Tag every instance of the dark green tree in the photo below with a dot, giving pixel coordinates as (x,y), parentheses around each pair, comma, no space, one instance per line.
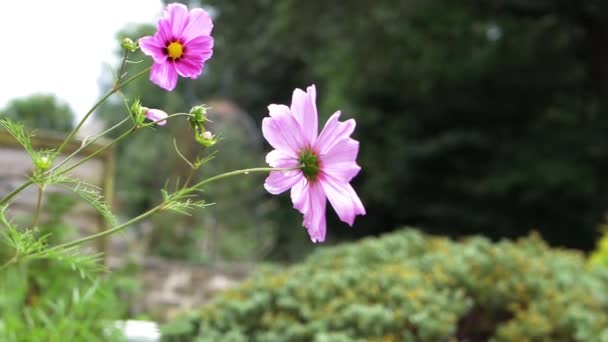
(474,116)
(40,111)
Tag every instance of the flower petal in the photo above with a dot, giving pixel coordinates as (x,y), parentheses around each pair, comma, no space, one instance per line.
(189,67)
(156,115)
(199,24)
(280,181)
(300,196)
(276,158)
(153,47)
(177,15)
(164,75)
(343,199)
(282,131)
(314,218)
(200,47)
(333,133)
(304,109)
(340,160)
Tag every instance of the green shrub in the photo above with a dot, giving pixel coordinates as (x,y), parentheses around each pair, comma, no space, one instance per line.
(408,286)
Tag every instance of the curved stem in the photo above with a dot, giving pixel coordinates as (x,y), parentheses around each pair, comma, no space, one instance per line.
(108,231)
(10,261)
(92,155)
(14,193)
(121,70)
(38,206)
(89,142)
(200,184)
(160,207)
(96,105)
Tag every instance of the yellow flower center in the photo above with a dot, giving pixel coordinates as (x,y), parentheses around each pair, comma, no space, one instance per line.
(175,50)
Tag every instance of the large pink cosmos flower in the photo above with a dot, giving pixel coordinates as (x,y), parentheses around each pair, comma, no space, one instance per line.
(327,161)
(181,45)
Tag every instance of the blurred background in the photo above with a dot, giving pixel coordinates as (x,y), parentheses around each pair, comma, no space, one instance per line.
(475,118)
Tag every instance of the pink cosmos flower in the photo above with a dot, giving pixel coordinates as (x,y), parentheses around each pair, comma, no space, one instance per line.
(155,115)
(327,161)
(181,45)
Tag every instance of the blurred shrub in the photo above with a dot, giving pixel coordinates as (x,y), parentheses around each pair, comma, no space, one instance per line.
(43,300)
(408,286)
(599,257)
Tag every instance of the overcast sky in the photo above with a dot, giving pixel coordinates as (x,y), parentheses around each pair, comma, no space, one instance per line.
(60,46)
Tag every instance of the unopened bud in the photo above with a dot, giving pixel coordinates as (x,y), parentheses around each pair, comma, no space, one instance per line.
(138,112)
(42,163)
(206,138)
(128,44)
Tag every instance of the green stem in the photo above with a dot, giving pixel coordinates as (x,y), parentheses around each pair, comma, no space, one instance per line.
(122,68)
(108,231)
(96,105)
(160,207)
(10,261)
(92,155)
(38,205)
(202,183)
(89,142)
(14,193)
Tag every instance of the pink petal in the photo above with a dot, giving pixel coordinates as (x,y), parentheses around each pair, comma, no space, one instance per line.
(304,109)
(333,133)
(300,196)
(282,130)
(199,24)
(339,161)
(152,46)
(189,67)
(177,16)
(164,75)
(314,219)
(164,31)
(280,181)
(343,172)
(276,158)
(343,199)
(155,115)
(201,47)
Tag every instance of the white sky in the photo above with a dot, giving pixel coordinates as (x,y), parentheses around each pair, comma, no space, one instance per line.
(60,46)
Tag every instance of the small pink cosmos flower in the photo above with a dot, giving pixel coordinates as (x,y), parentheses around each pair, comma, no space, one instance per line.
(156,115)
(327,161)
(181,45)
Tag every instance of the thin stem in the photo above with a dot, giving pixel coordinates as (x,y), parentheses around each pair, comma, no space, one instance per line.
(92,155)
(10,261)
(89,142)
(96,105)
(108,231)
(122,67)
(202,183)
(38,205)
(157,208)
(14,193)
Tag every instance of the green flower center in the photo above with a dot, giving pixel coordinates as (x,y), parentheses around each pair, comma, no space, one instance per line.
(175,50)
(310,164)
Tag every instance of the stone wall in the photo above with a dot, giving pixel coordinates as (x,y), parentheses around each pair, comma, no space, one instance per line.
(170,288)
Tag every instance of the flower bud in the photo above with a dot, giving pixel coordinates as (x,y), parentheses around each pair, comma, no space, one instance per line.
(205,138)
(128,44)
(42,162)
(198,115)
(138,112)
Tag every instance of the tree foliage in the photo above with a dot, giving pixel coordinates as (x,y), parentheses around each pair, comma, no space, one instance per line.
(473,116)
(40,111)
